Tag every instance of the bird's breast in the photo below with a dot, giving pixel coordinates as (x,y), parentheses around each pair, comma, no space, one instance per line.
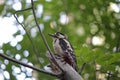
(57,48)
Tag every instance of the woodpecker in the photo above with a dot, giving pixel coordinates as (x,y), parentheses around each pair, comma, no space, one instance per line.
(63,48)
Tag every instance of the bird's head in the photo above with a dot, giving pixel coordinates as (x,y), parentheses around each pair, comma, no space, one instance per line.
(58,35)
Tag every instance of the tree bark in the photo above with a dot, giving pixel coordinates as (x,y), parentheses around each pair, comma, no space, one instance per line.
(68,72)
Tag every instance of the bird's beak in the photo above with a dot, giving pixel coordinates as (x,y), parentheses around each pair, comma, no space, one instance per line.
(52,35)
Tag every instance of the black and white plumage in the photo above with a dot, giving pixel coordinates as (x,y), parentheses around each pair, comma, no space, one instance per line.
(63,48)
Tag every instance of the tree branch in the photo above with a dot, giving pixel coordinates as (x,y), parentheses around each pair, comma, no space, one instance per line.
(82,67)
(33,46)
(69,72)
(22,10)
(43,38)
(31,67)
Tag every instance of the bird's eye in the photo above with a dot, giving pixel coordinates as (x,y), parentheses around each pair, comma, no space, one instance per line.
(57,34)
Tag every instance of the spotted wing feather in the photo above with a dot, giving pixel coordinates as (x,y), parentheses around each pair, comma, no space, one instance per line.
(69,56)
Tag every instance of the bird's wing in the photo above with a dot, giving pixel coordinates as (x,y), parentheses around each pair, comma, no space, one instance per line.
(68,52)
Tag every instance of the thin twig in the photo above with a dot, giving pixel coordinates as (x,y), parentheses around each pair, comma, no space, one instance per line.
(26,65)
(22,10)
(82,67)
(33,46)
(43,38)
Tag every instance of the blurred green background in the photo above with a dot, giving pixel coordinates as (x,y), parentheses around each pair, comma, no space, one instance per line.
(92,27)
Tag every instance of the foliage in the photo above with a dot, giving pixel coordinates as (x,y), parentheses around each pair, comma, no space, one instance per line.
(85,20)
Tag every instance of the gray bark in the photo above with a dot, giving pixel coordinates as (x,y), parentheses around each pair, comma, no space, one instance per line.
(68,71)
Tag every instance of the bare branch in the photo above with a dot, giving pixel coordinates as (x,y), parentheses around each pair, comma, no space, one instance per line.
(69,72)
(43,38)
(22,10)
(82,67)
(33,46)
(31,67)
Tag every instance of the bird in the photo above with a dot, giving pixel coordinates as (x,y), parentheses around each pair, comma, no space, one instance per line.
(63,48)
